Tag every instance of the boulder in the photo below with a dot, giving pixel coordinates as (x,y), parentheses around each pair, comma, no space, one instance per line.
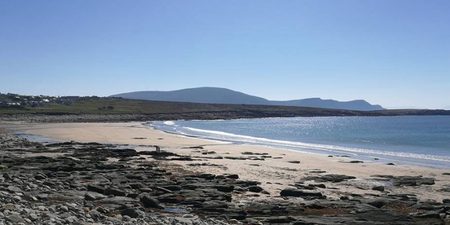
(150,202)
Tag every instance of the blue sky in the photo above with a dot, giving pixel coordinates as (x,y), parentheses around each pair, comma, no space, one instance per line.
(390,52)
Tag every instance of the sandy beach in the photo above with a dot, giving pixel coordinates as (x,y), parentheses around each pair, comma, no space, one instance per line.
(278,170)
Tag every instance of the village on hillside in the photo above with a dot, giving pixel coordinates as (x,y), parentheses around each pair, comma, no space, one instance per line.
(10,100)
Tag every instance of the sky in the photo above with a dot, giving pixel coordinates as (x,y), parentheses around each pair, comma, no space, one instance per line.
(390,52)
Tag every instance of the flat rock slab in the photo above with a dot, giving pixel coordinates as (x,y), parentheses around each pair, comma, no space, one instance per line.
(334,178)
(412,181)
(301,193)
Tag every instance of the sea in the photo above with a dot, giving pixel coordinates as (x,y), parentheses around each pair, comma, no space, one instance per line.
(409,140)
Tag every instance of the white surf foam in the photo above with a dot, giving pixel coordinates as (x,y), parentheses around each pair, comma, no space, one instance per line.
(321,147)
(169,123)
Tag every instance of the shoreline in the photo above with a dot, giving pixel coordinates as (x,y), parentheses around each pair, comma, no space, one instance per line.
(275,173)
(378,156)
(198,181)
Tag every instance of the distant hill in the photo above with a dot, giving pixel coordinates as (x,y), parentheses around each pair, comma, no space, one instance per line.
(360,105)
(215,95)
(197,95)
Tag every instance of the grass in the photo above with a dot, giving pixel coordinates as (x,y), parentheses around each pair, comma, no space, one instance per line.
(96,105)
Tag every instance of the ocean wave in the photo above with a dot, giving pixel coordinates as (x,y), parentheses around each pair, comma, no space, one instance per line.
(224,136)
(169,123)
(171,126)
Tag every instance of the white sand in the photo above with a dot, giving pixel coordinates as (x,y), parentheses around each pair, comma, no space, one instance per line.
(274,174)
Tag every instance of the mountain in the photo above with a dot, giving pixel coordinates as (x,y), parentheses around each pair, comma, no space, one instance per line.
(227,96)
(360,105)
(197,95)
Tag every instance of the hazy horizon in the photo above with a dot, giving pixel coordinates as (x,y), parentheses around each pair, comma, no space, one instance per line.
(391,53)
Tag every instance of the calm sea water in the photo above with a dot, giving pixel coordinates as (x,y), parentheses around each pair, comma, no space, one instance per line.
(417,140)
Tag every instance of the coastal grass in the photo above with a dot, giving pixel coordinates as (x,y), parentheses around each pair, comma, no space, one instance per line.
(116,106)
(127,106)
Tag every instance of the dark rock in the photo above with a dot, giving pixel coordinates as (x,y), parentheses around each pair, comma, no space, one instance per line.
(315,205)
(253,153)
(43,197)
(378,203)
(207,176)
(232,176)
(183,158)
(40,176)
(208,153)
(301,193)
(150,202)
(215,206)
(247,183)
(378,188)
(379,216)
(294,161)
(165,190)
(335,178)
(132,195)
(171,198)
(7,176)
(318,185)
(256,189)
(429,206)
(133,213)
(173,187)
(412,181)
(108,167)
(225,188)
(115,192)
(96,188)
(428,215)
(135,177)
(125,153)
(235,158)
(317,171)
(278,219)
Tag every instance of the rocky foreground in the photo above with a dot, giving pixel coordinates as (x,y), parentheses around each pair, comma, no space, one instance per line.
(92,183)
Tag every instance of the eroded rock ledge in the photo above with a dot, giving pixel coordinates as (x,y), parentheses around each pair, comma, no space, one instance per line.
(92,183)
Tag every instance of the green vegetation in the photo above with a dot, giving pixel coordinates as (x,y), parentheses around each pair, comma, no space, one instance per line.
(115,106)
(95,105)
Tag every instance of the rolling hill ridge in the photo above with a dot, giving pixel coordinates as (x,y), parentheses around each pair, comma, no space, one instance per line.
(214,95)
